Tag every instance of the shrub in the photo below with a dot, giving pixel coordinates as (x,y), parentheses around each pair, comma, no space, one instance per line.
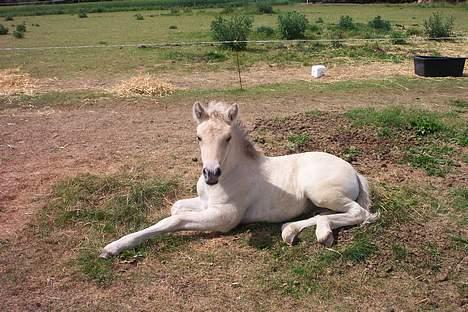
(264,8)
(82,14)
(379,23)
(237,28)
(21,27)
(438,26)
(139,17)
(8,18)
(173,27)
(3,30)
(227,10)
(292,25)
(413,32)
(265,31)
(18,34)
(319,20)
(346,22)
(398,37)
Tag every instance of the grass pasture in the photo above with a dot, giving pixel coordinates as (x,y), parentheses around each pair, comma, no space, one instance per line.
(81,165)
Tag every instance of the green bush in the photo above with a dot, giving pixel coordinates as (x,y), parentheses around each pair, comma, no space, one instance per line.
(237,28)
(346,22)
(264,8)
(18,34)
(265,31)
(139,17)
(292,25)
(380,24)
(82,14)
(398,37)
(21,27)
(227,10)
(414,32)
(3,30)
(438,26)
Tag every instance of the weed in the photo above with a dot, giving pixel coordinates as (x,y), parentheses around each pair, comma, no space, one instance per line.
(399,251)
(438,26)
(3,30)
(264,8)
(236,29)
(346,22)
(9,18)
(298,140)
(433,159)
(359,250)
(414,32)
(82,14)
(228,10)
(265,31)
(139,17)
(18,34)
(173,27)
(350,153)
(21,27)
(398,37)
(319,20)
(380,24)
(292,25)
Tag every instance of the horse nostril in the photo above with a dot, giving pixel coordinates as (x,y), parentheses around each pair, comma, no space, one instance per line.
(217,172)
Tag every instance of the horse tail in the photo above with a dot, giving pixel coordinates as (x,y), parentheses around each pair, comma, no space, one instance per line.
(364,199)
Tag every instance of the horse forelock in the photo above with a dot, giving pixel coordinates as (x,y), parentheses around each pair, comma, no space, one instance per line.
(216,110)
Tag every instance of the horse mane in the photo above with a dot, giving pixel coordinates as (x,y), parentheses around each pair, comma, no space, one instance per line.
(216,110)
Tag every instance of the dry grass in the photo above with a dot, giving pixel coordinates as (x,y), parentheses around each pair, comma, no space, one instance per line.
(146,85)
(14,82)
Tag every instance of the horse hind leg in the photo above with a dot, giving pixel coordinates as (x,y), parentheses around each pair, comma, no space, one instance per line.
(350,214)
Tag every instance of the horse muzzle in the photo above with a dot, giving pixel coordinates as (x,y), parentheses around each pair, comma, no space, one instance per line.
(211,175)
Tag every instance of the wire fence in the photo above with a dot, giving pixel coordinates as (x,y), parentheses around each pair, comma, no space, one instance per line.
(216,43)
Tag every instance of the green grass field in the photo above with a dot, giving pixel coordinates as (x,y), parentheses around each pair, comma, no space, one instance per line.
(120,28)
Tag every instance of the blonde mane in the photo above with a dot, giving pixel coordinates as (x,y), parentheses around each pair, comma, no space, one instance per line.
(216,110)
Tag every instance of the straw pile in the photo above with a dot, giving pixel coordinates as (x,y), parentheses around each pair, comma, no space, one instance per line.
(147,85)
(14,82)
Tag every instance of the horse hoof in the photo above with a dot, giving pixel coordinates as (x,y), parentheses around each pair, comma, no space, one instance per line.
(325,239)
(289,234)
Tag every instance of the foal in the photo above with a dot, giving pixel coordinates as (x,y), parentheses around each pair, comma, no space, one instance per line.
(239,185)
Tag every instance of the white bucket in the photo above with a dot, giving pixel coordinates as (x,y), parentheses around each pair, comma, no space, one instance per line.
(318,71)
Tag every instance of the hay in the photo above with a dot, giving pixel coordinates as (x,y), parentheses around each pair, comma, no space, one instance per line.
(146,85)
(14,82)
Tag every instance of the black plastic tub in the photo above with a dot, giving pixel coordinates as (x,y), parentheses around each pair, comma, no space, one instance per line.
(438,66)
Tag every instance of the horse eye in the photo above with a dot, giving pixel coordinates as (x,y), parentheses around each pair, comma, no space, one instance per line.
(228,139)
(198,138)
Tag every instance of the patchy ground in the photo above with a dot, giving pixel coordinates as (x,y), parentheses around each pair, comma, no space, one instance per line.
(415,258)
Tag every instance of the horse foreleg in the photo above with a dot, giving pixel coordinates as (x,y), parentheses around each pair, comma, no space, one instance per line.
(206,220)
(188,205)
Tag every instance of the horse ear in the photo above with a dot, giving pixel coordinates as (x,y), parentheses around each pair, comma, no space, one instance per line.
(232,112)
(199,113)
